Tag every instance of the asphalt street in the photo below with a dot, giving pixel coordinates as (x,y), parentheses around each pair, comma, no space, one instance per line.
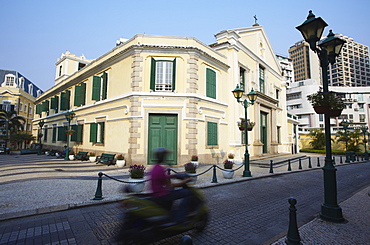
(250,212)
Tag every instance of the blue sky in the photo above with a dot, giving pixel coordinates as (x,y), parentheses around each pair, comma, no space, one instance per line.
(35,33)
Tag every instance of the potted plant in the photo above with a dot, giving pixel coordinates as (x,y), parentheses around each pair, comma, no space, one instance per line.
(137,181)
(228,171)
(191,169)
(92,157)
(71,155)
(120,161)
(230,157)
(323,102)
(194,160)
(250,125)
(241,124)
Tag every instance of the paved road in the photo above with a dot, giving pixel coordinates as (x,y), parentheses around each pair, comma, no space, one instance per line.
(251,212)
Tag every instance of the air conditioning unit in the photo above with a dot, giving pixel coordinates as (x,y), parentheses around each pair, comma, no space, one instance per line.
(349,99)
(356,109)
(354,100)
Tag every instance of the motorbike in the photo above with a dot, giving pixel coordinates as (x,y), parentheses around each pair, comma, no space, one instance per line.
(147,221)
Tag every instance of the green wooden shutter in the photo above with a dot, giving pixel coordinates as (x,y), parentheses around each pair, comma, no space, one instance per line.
(79,132)
(77,100)
(105,85)
(102,129)
(210,83)
(152,74)
(45,134)
(54,138)
(93,132)
(173,74)
(62,133)
(96,88)
(83,94)
(68,99)
(38,108)
(211,133)
(45,105)
(74,135)
(63,103)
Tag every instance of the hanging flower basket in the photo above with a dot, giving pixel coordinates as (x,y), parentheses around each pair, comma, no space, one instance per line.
(321,109)
(364,141)
(242,124)
(335,112)
(69,132)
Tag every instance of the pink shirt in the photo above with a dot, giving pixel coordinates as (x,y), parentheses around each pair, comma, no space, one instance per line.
(159,180)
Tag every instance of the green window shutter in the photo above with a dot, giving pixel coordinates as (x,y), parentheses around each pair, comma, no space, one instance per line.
(53,103)
(79,132)
(45,105)
(102,128)
(68,99)
(210,83)
(93,132)
(62,133)
(54,138)
(105,85)
(83,94)
(38,108)
(74,135)
(77,100)
(173,74)
(63,103)
(211,133)
(45,134)
(152,74)
(96,88)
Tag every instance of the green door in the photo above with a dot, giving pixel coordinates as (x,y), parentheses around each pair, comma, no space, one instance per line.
(163,133)
(264,131)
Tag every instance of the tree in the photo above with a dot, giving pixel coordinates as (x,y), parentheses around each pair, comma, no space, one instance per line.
(12,123)
(352,137)
(18,138)
(318,139)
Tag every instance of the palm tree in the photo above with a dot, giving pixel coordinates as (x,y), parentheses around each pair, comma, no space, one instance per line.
(12,123)
(352,138)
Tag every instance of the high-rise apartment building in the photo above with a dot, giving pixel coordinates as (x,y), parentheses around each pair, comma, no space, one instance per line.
(352,68)
(305,62)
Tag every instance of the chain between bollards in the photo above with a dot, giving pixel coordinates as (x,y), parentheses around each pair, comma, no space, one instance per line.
(293,237)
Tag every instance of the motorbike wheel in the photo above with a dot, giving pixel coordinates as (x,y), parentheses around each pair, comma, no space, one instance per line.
(202,222)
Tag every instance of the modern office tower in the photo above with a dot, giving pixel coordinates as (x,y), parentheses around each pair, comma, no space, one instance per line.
(352,67)
(305,62)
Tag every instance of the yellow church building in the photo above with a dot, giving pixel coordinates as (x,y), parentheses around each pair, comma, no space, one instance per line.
(175,92)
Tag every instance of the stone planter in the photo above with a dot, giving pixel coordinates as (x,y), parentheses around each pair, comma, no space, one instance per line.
(71,157)
(136,185)
(120,163)
(194,178)
(196,163)
(228,173)
(92,159)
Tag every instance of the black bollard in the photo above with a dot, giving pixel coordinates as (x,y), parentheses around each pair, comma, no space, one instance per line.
(300,164)
(168,171)
(186,240)
(289,167)
(271,168)
(341,160)
(98,193)
(293,237)
(214,178)
(333,160)
(318,161)
(358,158)
(309,162)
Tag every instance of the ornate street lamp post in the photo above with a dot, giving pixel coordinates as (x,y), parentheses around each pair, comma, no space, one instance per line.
(252,96)
(69,116)
(345,125)
(41,124)
(364,131)
(327,50)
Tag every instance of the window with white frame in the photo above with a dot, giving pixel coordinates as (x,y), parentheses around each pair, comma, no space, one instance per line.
(30,89)
(9,80)
(163,73)
(21,83)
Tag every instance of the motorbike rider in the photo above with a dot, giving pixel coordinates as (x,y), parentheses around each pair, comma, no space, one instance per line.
(165,192)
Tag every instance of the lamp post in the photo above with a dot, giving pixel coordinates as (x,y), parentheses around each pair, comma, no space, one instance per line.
(364,131)
(327,50)
(69,116)
(345,125)
(41,124)
(252,96)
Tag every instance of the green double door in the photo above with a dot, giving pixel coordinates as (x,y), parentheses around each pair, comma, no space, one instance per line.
(162,133)
(263,131)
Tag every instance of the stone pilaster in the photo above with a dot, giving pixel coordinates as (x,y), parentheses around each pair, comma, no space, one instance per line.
(136,75)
